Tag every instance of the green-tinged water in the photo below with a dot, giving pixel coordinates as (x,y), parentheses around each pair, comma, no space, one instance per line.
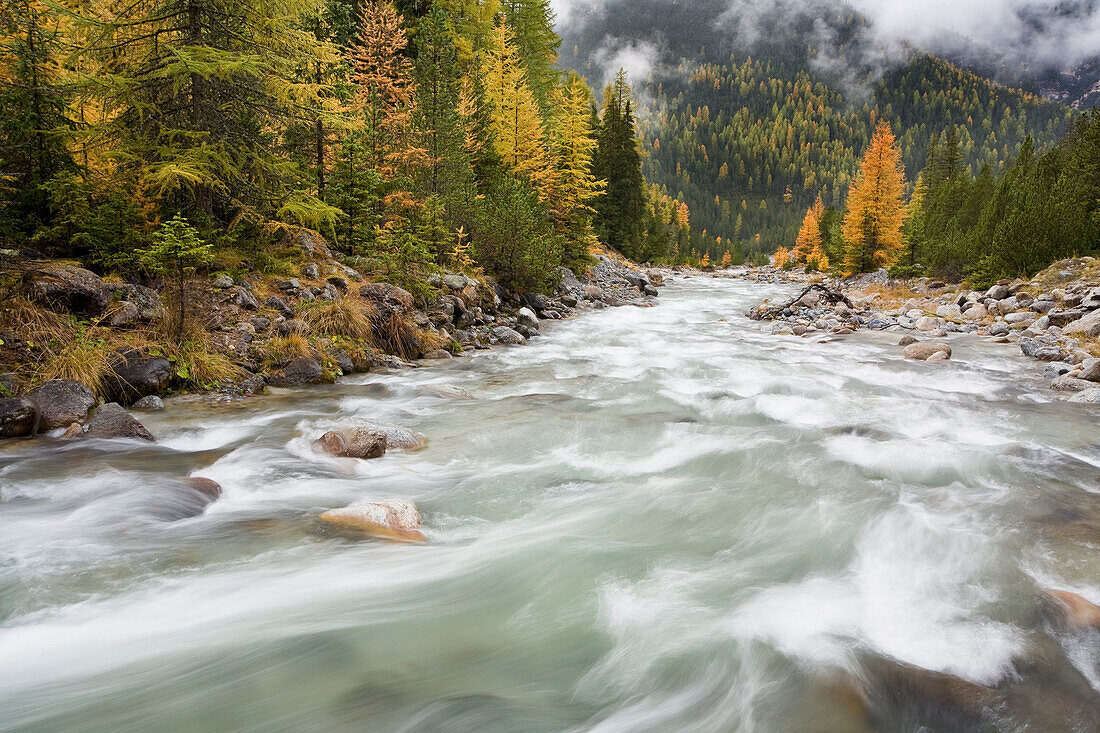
(649,520)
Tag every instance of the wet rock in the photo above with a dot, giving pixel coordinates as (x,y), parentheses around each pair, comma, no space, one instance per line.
(1072,611)
(395,519)
(508,336)
(397,437)
(938,356)
(62,402)
(297,372)
(204,486)
(74,289)
(342,360)
(925,350)
(1071,384)
(112,421)
(437,355)
(134,375)
(1057,369)
(388,295)
(907,341)
(359,443)
(152,403)
(18,417)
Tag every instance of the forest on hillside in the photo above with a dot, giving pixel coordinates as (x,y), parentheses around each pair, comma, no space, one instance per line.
(414,137)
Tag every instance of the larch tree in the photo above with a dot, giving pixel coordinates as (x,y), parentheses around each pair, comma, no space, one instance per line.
(876,206)
(517,126)
(532,26)
(577,188)
(809,236)
(192,97)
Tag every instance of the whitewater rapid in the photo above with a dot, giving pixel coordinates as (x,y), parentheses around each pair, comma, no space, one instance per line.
(650,519)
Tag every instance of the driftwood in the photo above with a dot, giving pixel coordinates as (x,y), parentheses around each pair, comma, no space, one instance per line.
(766,312)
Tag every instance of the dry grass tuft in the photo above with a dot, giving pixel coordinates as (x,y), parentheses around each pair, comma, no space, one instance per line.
(35,324)
(351,317)
(396,333)
(284,348)
(433,341)
(86,359)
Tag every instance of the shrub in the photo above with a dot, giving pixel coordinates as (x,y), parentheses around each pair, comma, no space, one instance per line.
(515,239)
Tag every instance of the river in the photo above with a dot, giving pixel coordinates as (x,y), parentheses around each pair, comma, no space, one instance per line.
(648,520)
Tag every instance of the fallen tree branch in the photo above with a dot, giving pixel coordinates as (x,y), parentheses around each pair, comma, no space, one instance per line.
(764,312)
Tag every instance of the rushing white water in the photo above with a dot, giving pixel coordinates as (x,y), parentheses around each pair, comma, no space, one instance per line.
(650,519)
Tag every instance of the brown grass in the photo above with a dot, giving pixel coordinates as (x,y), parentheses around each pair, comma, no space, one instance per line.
(433,341)
(86,359)
(35,324)
(395,333)
(351,317)
(889,295)
(284,348)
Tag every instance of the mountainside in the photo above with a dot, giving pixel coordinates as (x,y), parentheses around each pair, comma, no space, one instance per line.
(749,130)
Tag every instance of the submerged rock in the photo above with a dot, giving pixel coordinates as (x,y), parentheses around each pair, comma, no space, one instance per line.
(395,519)
(112,421)
(925,350)
(359,443)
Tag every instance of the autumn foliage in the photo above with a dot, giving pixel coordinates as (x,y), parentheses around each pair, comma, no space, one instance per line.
(876,206)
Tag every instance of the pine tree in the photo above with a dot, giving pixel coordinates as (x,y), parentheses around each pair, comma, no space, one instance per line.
(620,211)
(532,28)
(876,207)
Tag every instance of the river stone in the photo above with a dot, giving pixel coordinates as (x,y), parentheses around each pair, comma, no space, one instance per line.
(297,372)
(950,312)
(1088,325)
(593,292)
(927,323)
(998,292)
(18,417)
(976,312)
(151,403)
(74,289)
(1090,370)
(907,340)
(527,317)
(394,519)
(134,375)
(1071,384)
(1013,318)
(1087,396)
(437,355)
(397,437)
(63,402)
(508,336)
(925,350)
(1000,328)
(112,421)
(353,443)
(1071,610)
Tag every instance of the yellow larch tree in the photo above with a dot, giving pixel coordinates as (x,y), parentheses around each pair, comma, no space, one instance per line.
(809,236)
(876,206)
(782,257)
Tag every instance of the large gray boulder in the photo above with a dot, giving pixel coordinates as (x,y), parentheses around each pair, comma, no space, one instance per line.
(62,402)
(134,374)
(18,417)
(72,288)
(296,373)
(1088,325)
(508,336)
(112,421)
(925,350)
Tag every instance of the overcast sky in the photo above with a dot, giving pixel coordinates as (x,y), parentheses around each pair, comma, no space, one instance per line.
(1008,28)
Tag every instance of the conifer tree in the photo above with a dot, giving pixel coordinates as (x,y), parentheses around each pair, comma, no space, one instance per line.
(809,236)
(532,26)
(576,187)
(620,211)
(876,207)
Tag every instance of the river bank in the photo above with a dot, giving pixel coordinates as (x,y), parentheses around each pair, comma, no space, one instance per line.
(647,519)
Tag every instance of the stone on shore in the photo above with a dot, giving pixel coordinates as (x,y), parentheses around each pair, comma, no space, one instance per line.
(134,375)
(1071,384)
(395,519)
(359,443)
(1088,325)
(508,336)
(1087,396)
(61,402)
(925,350)
(297,372)
(75,289)
(18,416)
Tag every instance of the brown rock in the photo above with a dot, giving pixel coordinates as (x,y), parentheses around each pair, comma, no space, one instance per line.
(925,350)
(353,443)
(396,519)
(1072,610)
(907,340)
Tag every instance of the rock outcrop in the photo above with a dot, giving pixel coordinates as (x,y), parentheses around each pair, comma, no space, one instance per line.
(396,519)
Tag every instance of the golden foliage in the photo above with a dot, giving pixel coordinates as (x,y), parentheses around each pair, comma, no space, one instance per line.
(351,317)
(876,206)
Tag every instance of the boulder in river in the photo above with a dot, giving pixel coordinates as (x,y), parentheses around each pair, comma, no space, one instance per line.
(361,443)
(508,336)
(395,519)
(908,340)
(1070,384)
(151,403)
(925,350)
(112,421)
(1087,396)
(297,372)
(63,402)
(1071,610)
(397,437)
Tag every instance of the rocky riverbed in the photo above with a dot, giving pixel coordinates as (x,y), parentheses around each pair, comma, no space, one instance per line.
(1054,318)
